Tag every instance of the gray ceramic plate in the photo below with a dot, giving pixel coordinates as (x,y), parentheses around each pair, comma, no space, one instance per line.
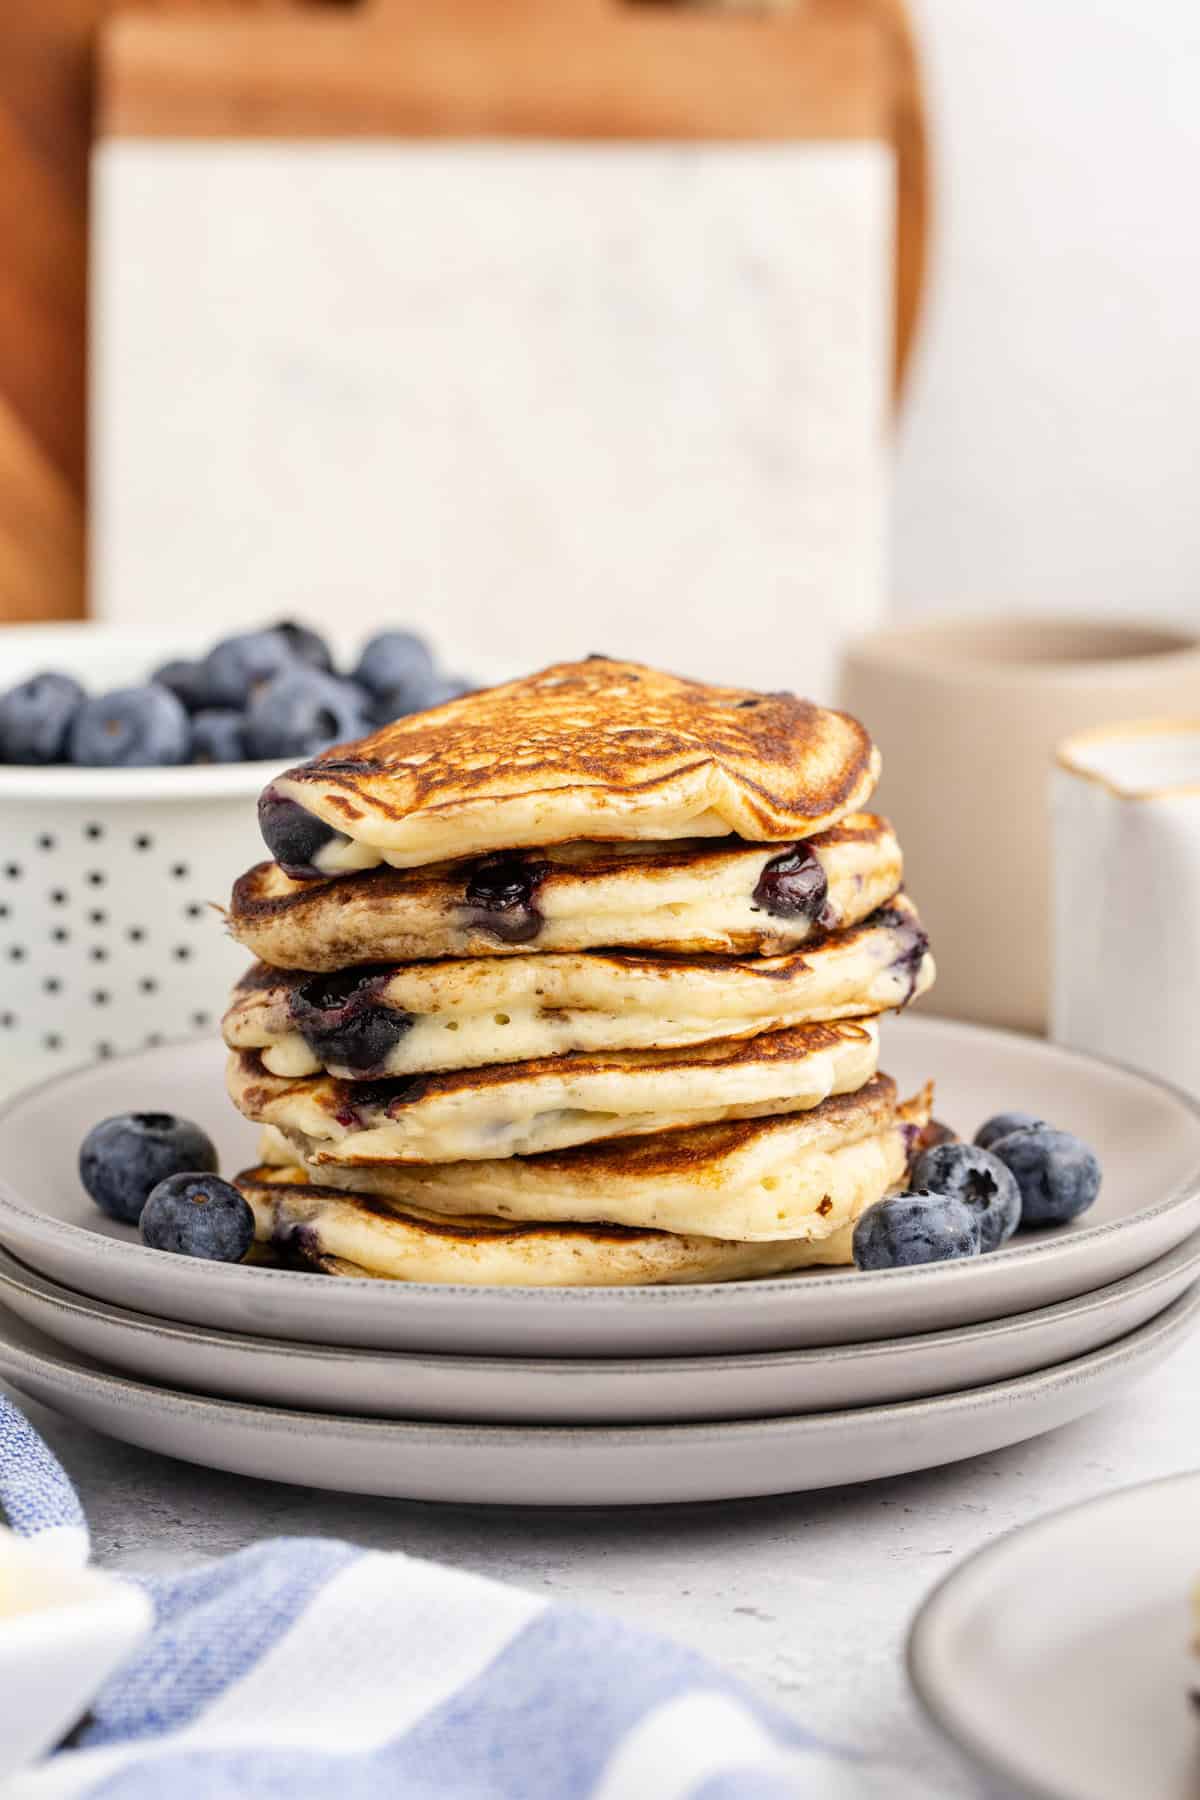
(1060,1656)
(588,1391)
(582,1465)
(1147,1136)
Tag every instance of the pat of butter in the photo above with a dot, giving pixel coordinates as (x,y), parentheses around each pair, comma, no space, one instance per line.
(28,1583)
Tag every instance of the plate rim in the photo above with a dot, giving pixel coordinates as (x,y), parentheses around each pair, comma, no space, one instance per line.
(1170,1325)
(41,1227)
(1162,1271)
(927,1621)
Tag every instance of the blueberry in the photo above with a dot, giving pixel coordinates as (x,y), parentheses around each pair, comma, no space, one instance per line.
(133,728)
(294,837)
(237,667)
(306,645)
(343,1024)
(399,702)
(1001,1124)
(982,1182)
(198,1215)
(188,681)
(122,1158)
(444,688)
(501,892)
(219,736)
(1058,1175)
(36,718)
(417,695)
(793,885)
(907,1229)
(366,1102)
(394,660)
(911,946)
(302,711)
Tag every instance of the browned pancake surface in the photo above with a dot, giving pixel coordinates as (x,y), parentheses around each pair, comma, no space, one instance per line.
(257,1087)
(780,765)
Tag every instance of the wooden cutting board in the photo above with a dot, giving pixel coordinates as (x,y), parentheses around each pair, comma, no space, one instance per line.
(47,67)
(284,67)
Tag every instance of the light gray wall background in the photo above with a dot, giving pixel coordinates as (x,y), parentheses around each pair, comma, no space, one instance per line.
(1049,456)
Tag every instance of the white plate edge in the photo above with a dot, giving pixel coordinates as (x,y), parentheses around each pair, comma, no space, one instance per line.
(926,1622)
(1164,1270)
(1163,1330)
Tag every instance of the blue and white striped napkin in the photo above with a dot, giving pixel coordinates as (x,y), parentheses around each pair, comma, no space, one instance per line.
(308,1668)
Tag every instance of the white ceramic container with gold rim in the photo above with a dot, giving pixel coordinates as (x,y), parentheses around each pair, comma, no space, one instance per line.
(1126,866)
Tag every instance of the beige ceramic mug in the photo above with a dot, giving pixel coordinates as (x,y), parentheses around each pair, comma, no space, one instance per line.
(967,714)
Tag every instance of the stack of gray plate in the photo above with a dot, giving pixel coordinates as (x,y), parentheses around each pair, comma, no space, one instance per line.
(599,1395)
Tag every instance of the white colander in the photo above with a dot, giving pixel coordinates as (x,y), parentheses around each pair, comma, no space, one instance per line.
(110,879)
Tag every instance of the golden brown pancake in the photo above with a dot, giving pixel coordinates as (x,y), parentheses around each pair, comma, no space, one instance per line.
(689,895)
(789,1189)
(524,1108)
(303,1224)
(469,1013)
(599,749)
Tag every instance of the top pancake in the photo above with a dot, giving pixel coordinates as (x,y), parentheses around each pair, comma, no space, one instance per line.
(599,749)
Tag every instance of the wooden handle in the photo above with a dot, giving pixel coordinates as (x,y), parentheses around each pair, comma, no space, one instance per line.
(416,12)
(44,119)
(484,68)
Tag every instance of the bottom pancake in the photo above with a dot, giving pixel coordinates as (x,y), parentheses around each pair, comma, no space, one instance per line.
(307,1226)
(788,1188)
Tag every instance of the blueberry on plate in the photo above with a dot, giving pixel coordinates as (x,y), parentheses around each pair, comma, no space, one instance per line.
(981,1181)
(301,712)
(1058,1174)
(907,1229)
(219,736)
(123,1158)
(394,660)
(306,645)
(198,1215)
(293,836)
(36,718)
(237,667)
(133,728)
(187,680)
(1001,1124)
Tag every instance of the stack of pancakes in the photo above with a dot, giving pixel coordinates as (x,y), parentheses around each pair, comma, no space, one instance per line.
(576,981)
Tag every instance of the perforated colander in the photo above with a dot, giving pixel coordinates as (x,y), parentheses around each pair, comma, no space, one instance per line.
(111,879)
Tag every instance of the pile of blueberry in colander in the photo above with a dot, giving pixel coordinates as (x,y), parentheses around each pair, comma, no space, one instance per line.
(258,696)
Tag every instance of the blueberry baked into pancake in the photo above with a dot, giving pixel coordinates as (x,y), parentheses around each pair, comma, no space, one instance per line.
(576,981)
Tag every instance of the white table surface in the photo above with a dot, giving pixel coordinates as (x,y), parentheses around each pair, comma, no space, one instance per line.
(807,1598)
